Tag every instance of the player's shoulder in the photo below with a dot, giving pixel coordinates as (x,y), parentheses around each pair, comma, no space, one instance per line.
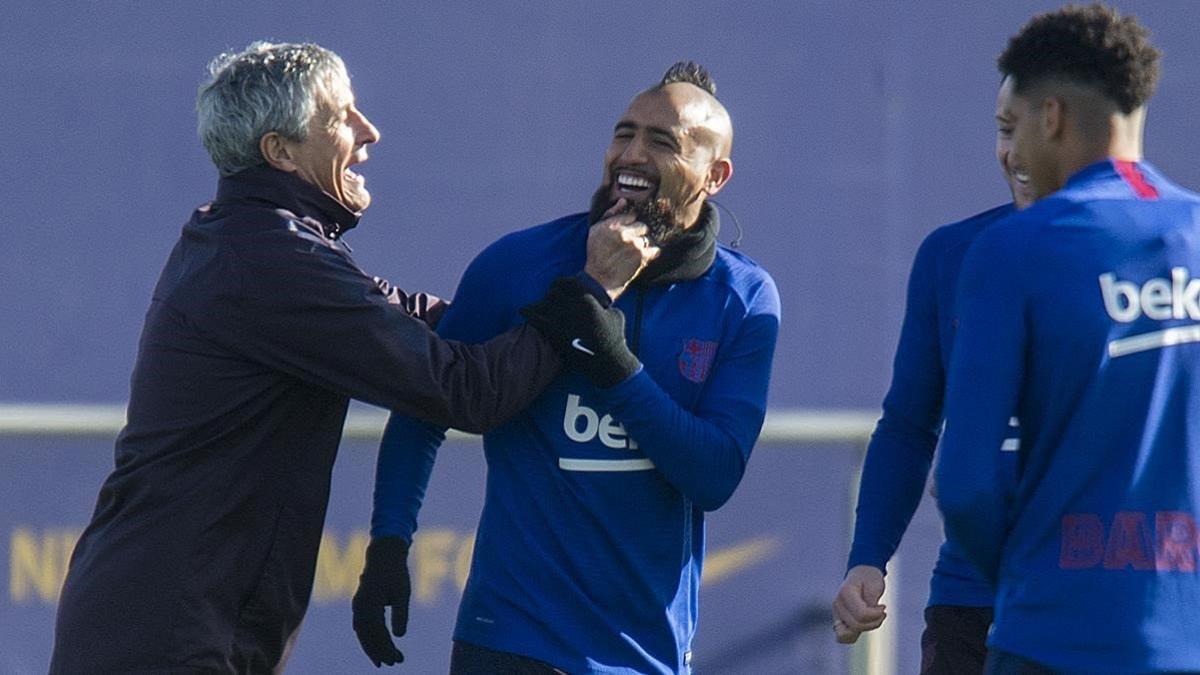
(738,269)
(557,241)
(1042,214)
(745,278)
(1025,239)
(1108,187)
(1168,189)
(962,232)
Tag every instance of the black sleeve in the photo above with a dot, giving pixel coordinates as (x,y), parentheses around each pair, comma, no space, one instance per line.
(306,309)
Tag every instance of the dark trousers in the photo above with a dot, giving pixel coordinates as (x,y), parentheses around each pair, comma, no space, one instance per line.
(955,640)
(471,659)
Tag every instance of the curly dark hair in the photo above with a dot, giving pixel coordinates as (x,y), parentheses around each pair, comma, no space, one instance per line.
(1093,46)
(692,73)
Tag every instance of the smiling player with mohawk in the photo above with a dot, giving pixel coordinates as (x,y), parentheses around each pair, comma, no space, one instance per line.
(589,549)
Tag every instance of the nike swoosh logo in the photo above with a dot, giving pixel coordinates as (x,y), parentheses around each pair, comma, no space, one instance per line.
(577,344)
(724,563)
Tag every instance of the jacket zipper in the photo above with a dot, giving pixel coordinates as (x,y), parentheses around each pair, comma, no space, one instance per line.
(637,322)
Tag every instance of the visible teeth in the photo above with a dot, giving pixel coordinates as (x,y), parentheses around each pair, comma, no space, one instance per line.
(1021,176)
(626,180)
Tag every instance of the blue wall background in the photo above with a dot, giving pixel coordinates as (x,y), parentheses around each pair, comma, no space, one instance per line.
(860,126)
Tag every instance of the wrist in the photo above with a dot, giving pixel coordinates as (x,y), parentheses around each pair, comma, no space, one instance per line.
(611,289)
(622,372)
(386,548)
(864,553)
(866,569)
(603,295)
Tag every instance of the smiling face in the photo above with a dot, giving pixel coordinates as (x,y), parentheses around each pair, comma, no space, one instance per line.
(671,144)
(1018,180)
(338,134)
(1038,148)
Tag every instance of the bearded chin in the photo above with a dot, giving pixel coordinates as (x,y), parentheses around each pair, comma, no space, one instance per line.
(658,215)
(600,204)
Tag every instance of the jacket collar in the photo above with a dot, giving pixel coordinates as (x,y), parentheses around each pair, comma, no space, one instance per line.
(687,256)
(287,191)
(1109,168)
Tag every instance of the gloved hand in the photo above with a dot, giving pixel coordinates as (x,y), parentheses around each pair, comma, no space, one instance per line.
(589,336)
(384,582)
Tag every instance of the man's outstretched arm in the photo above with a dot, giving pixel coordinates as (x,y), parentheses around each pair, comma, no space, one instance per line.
(899,455)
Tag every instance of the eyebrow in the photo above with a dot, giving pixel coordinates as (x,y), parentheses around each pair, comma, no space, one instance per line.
(623,124)
(657,131)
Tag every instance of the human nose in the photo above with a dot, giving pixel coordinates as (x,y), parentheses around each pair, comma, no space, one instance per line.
(634,151)
(1003,153)
(367,133)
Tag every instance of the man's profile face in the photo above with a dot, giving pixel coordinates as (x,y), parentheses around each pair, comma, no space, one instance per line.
(337,138)
(1017,180)
(1032,154)
(661,150)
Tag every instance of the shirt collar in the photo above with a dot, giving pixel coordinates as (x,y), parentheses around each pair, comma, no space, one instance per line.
(687,256)
(290,192)
(1105,168)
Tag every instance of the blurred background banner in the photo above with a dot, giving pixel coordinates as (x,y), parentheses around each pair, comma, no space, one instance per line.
(771,553)
(859,127)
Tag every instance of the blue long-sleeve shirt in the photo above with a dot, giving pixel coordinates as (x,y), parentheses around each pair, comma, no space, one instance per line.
(589,549)
(902,447)
(1082,313)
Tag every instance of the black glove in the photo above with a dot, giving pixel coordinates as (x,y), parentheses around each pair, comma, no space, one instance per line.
(589,336)
(384,582)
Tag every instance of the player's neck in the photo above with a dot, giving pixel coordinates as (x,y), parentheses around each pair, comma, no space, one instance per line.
(1120,139)
(1125,138)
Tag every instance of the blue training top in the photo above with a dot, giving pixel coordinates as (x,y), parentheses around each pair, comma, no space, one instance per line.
(901,449)
(1082,313)
(589,549)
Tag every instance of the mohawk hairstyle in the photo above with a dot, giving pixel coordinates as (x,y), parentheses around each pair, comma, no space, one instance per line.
(1093,46)
(692,73)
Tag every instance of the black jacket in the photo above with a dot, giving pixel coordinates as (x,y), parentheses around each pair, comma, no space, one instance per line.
(202,548)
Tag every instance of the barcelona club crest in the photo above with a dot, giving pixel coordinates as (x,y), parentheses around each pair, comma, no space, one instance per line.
(696,359)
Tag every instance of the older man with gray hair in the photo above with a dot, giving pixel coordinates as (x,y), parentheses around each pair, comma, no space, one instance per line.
(200,554)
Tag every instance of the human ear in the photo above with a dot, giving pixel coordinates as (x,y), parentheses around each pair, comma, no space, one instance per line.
(719,174)
(277,151)
(1053,117)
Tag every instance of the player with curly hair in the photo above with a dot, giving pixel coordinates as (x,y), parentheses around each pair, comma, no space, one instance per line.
(1081,315)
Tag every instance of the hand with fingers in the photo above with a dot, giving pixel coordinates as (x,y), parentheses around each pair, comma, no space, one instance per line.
(384,583)
(856,608)
(617,250)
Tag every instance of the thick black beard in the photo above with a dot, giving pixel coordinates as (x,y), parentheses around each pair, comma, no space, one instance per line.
(656,214)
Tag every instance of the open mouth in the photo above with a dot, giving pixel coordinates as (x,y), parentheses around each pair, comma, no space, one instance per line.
(349,174)
(631,185)
(1020,176)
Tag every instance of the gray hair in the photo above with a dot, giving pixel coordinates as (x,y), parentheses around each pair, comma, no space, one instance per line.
(266,87)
